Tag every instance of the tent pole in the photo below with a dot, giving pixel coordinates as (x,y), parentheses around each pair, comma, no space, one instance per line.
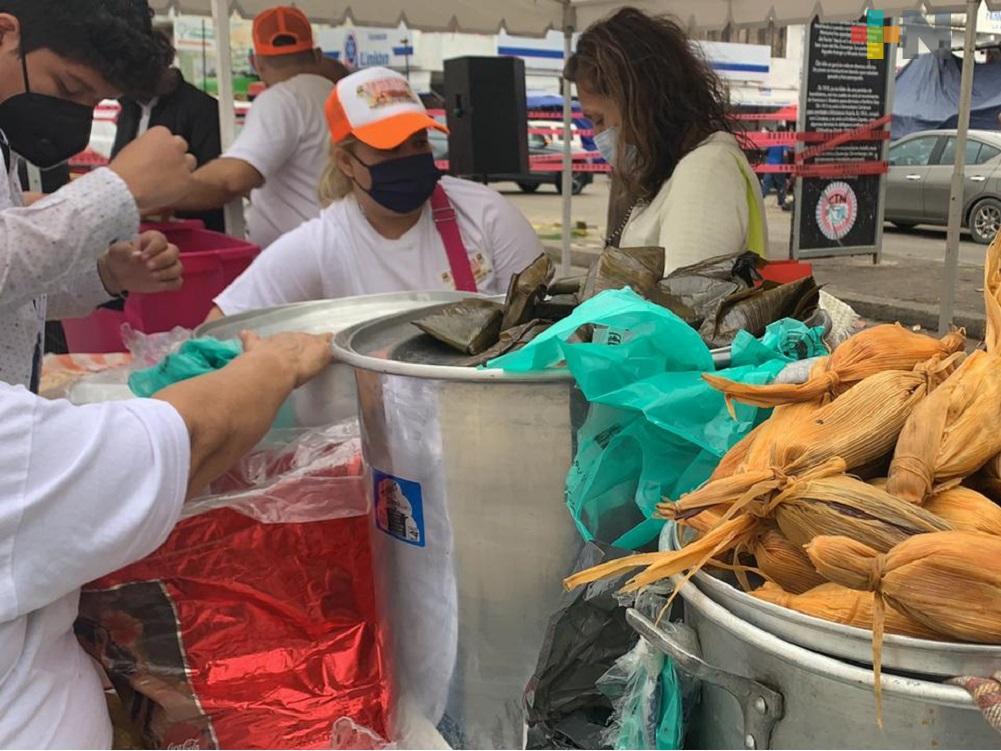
(565,262)
(227,110)
(958,171)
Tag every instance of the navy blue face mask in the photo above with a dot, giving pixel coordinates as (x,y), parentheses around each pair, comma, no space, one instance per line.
(404,184)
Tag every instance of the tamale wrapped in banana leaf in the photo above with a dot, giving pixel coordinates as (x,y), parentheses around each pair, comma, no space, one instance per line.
(785,564)
(702,287)
(949,582)
(569,285)
(617,268)
(753,309)
(886,347)
(838,604)
(556,308)
(469,326)
(510,340)
(526,288)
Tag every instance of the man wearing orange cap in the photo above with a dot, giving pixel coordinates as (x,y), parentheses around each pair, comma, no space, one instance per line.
(279,156)
(392,222)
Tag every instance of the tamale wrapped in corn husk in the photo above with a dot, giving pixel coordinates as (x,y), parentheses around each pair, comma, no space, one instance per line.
(754,450)
(886,347)
(949,582)
(839,604)
(966,509)
(785,564)
(957,430)
(952,433)
(963,508)
(859,427)
(821,502)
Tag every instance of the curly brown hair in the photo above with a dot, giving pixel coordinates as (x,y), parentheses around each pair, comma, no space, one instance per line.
(668,95)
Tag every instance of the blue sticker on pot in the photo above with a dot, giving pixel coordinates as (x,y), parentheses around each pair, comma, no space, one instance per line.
(399,508)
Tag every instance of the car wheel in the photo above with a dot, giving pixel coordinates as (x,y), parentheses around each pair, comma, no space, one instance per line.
(905,226)
(528,187)
(985,220)
(577,184)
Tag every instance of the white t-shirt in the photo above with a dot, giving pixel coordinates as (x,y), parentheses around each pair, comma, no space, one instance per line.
(340,254)
(286,139)
(83,492)
(701,211)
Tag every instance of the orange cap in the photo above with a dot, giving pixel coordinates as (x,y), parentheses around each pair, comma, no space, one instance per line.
(282,24)
(378,107)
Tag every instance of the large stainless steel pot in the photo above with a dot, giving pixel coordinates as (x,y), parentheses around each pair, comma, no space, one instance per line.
(471,534)
(760,691)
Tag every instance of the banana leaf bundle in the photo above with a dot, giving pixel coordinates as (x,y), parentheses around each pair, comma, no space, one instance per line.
(509,341)
(525,289)
(838,604)
(469,326)
(753,309)
(616,268)
(949,582)
(886,347)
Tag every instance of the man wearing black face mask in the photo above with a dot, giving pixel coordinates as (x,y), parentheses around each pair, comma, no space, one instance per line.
(79,247)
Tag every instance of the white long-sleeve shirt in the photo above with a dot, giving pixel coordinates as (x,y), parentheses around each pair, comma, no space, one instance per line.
(48,259)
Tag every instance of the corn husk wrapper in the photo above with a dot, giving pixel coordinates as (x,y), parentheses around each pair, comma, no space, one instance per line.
(949,582)
(952,433)
(822,502)
(839,604)
(881,348)
(784,564)
(958,430)
(963,508)
(859,427)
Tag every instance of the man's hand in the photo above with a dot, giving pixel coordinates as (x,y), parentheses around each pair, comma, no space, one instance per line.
(149,265)
(306,355)
(157,169)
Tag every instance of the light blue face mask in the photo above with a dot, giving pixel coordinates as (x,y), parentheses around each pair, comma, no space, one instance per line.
(608,146)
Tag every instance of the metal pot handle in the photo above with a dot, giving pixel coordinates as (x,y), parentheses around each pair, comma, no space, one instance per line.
(762,707)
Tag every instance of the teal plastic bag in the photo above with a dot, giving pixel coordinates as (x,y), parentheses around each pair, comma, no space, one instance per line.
(656,429)
(646,698)
(194,358)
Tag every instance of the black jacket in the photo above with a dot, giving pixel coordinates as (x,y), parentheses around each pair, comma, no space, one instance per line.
(187,112)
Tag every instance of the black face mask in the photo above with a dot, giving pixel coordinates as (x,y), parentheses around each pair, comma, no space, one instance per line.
(45,130)
(402,185)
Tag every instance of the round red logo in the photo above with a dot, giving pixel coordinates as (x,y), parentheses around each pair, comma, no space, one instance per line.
(837,210)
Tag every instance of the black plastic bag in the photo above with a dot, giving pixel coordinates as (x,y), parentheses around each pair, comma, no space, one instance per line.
(586,636)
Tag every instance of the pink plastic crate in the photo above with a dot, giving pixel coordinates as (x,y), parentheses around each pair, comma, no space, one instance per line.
(211,262)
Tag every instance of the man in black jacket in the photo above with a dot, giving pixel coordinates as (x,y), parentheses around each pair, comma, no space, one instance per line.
(185,111)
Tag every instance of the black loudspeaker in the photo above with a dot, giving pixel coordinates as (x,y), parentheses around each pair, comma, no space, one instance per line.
(487,116)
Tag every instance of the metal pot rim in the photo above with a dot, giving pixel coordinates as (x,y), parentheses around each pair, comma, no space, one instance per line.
(346,352)
(829,667)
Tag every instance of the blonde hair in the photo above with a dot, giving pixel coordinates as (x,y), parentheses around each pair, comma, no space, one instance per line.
(334,184)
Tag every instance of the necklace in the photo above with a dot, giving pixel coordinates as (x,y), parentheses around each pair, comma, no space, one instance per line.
(613,239)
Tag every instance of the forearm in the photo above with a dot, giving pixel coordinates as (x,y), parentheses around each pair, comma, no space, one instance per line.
(218,183)
(229,411)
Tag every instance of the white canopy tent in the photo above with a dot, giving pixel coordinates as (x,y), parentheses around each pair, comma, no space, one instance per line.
(536,17)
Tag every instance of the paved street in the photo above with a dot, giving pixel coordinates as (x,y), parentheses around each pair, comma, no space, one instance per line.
(906,286)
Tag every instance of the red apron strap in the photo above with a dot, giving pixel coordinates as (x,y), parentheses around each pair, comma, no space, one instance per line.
(448,228)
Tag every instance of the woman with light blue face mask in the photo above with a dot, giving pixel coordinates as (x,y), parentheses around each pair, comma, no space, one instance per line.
(680,179)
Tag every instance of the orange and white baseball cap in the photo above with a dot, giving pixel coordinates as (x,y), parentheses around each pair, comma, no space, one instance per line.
(378,107)
(282,31)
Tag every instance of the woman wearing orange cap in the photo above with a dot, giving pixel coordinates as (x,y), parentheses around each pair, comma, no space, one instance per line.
(392,222)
